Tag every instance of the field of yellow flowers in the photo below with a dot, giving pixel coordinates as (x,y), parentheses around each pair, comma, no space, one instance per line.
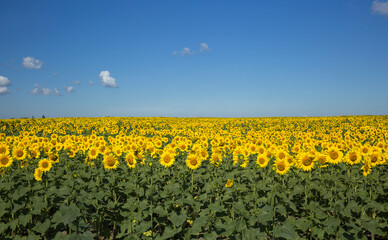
(194,178)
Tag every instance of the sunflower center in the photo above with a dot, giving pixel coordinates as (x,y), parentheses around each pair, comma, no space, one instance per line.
(333,155)
(307,161)
(93,152)
(261,161)
(45,165)
(322,160)
(2,149)
(167,159)
(130,160)
(282,155)
(4,160)
(365,150)
(353,157)
(281,167)
(110,161)
(19,153)
(373,158)
(261,151)
(193,162)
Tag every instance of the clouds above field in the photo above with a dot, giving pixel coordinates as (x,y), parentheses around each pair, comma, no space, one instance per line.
(185,52)
(204,47)
(107,80)
(44,91)
(69,89)
(4,82)
(380,7)
(32,63)
(76,82)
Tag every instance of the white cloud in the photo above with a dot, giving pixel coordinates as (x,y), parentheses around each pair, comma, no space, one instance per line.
(3,90)
(204,47)
(4,81)
(44,91)
(57,92)
(69,89)
(379,7)
(54,74)
(32,63)
(107,80)
(76,82)
(185,52)
(91,83)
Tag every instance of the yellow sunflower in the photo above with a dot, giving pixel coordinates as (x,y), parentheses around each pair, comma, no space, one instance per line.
(305,161)
(366,168)
(375,158)
(4,149)
(229,183)
(38,174)
(5,161)
(281,166)
(110,161)
(166,159)
(93,153)
(130,159)
(53,157)
(353,157)
(19,153)
(334,155)
(193,161)
(262,161)
(45,165)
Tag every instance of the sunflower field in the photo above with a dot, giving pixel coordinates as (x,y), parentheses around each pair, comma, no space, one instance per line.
(194,178)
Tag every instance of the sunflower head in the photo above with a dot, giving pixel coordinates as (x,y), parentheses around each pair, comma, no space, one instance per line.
(229,183)
(167,159)
(5,161)
(45,165)
(193,161)
(306,161)
(281,166)
(262,161)
(110,161)
(130,159)
(38,174)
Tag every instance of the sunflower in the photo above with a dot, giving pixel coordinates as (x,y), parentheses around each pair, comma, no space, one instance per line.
(281,154)
(93,153)
(19,153)
(53,157)
(261,150)
(4,149)
(229,183)
(353,157)
(193,161)
(167,159)
(110,161)
(38,174)
(305,161)
(334,155)
(321,159)
(365,149)
(45,165)
(34,153)
(366,168)
(262,161)
(24,163)
(203,154)
(216,158)
(374,158)
(5,161)
(130,159)
(281,166)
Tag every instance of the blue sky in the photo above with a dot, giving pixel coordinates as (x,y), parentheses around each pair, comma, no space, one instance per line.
(193,58)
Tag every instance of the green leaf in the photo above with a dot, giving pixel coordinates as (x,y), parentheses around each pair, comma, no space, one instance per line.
(13,224)
(69,213)
(42,227)
(178,220)
(160,211)
(24,219)
(3,227)
(281,209)
(253,234)
(210,236)
(170,233)
(286,231)
(370,226)
(60,236)
(84,236)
